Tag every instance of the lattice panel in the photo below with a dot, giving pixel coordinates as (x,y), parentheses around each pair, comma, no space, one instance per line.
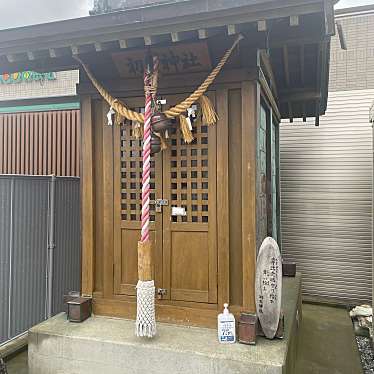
(131,176)
(190,175)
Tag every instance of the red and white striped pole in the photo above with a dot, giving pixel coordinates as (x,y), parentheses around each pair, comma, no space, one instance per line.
(145,289)
(146,159)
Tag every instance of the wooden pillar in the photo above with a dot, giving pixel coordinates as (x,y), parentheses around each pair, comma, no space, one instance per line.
(108,203)
(250,105)
(223,224)
(87,193)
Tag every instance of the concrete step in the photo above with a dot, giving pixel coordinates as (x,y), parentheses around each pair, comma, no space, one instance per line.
(107,345)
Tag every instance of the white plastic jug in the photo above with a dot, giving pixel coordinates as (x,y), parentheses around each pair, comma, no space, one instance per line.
(226,326)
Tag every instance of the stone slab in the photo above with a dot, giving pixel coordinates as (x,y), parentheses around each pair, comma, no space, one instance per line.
(13,346)
(108,345)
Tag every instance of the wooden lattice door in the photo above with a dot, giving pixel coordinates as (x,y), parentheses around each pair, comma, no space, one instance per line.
(189,241)
(127,202)
(185,246)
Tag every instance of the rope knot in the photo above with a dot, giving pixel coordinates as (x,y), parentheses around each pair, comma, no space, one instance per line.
(150,90)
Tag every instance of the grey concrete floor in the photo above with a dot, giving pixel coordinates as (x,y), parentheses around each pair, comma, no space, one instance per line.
(18,364)
(327,344)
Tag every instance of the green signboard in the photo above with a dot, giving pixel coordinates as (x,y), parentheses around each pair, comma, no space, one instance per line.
(27,76)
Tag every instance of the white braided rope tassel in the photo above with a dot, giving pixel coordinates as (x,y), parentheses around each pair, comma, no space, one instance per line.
(145,316)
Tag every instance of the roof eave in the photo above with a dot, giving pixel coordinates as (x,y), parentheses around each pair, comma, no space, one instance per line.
(147,21)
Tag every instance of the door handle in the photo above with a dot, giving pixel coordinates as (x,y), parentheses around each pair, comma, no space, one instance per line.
(159,203)
(161,293)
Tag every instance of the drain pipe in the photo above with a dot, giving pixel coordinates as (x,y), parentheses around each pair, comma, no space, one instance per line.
(11,238)
(51,243)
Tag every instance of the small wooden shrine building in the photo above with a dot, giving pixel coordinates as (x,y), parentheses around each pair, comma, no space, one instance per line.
(226,181)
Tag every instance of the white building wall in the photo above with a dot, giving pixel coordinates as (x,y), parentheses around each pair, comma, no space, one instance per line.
(63,85)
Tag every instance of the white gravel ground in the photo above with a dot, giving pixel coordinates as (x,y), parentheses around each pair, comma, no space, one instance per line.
(367,354)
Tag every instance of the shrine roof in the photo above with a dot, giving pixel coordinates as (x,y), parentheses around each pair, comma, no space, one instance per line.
(53,45)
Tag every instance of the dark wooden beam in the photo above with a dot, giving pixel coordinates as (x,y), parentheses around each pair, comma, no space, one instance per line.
(299,95)
(269,94)
(302,64)
(328,9)
(39,65)
(304,111)
(37,55)
(290,113)
(295,41)
(286,65)
(265,60)
(191,80)
(318,104)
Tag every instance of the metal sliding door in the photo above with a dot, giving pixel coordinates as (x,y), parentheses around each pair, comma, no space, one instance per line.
(326,194)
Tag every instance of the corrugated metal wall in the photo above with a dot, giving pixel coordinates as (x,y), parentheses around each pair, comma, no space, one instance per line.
(28,253)
(326,190)
(25,214)
(5,219)
(67,260)
(40,143)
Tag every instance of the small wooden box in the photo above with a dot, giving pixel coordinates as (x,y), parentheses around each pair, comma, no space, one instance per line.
(72,295)
(79,309)
(289,269)
(247,328)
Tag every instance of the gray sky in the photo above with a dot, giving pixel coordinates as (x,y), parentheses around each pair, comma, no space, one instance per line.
(351,3)
(15,13)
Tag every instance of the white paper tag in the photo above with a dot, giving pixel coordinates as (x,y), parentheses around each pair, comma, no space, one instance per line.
(189,123)
(178,211)
(110,116)
(191,112)
(161,102)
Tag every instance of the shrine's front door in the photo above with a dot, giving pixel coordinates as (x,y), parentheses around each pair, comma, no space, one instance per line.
(184,239)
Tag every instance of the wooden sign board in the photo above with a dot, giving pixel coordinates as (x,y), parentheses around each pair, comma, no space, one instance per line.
(174,59)
(269,287)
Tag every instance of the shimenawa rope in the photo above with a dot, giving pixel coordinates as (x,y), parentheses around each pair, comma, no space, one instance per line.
(176,111)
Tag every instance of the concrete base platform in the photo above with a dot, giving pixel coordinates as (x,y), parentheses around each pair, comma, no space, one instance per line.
(328,342)
(104,345)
